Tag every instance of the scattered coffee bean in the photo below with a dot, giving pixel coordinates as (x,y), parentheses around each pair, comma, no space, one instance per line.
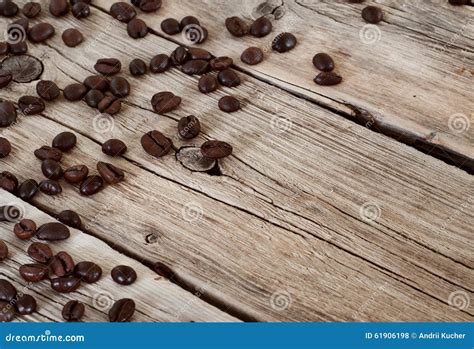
(196,67)
(156,144)
(47,152)
(216,149)
(110,105)
(47,90)
(7,290)
(122,12)
(53,232)
(34,272)
(236,26)
(284,42)
(179,56)
(261,27)
(160,63)
(4,48)
(8,8)
(31,9)
(137,67)
(72,37)
(137,28)
(73,311)
(5,147)
(31,105)
(7,312)
(41,32)
(110,173)
(93,98)
(27,190)
(164,102)
(124,275)
(252,56)
(372,14)
(62,264)
(58,8)
(199,53)
(108,66)
(323,62)
(460,2)
(207,83)
(97,82)
(5,78)
(229,104)
(81,10)
(114,147)
(25,305)
(73,2)
(189,20)
(228,78)
(122,310)
(91,185)
(75,92)
(40,252)
(22,22)
(70,218)
(88,272)
(8,181)
(50,187)
(25,229)
(221,63)
(76,174)
(189,127)
(18,49)
(7,113)
(65,141)
(327,79)
(170,26)
(65,284)
(51,169)
(147,5)
(119,86)
(3,250)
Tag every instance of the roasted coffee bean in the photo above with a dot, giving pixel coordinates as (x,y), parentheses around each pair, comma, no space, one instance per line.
(160,63)
(147,5)
(81,10)
(459,2)
(93,98)
(124,275)
(5,78)
(156,144)
(40,252)
(122,12)
(7,113)
(8,181)
(207,83)
(5,147)
(228,78)
(41,32)
(75,92)
(65,141)
(137,28)
(221,63)
(7,312)
(25,229)
(97,82)
(189,127)
(50,187)
(122,310)
(327,79)
(62,264)
(65,284)
(110,173)
(47,152)
(261,27)
(170,26)
(47,90)
(52,232)
(114,147)
(252,56)
(323,62)
(18,49)
(229,104)
(196,67)
(73,2)
(3,250)
(372,14)
(108,66)
(119,86)
(31,105)
(110,105)
(4,48)
(27,190)
(22,22)
(51,169)
(179,56)
(7,290)
(189,20)
(70,218)
(72,37)
(137,67)
(236,26)
(199,53)
(8,8)
(76,174)
(73,311)
(58,8)
(34,272)
(25,305)
(216,149)
(284,42)
(31,9)
(88,272)
(164,102)
(91,185)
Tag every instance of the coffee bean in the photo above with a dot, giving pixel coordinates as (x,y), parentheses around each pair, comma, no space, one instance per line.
(88,272)
(110,173)
(137,67)
(179,56)
(31,105)
(50,187)
(47,90)
(51,169)
(170,26)
(27,190)
(58,8)
(7,312)
(137,28)
(236,26)
(76,174)
(459,2)
(8,8)
(114,147)
(8,181)
(93,98)
(73,2)
(261,27)
(62,264)
(216,149)
(199,53)
(124,275)
(119,86)
(189,20)
(196,67)
(34,272)
(73,311)
(53,232)
(97,82)
(3,250)
(25,305)
(122,310)
(189,127)
(147,5)
(70,218)
(47,152)
(31,9)
(221,63)
(65,141)
(91,185)
(72,37)
(327,79)
(41,32)
(228,78)
(108,66)
(122,12)
(164,102)
(40,252)
(156,144)
(5,78)
(207,83)
(284,42)
(18,49)
(81,10)
(252,56)
(372,14)
(4,48)
(65,284)
(22,22)
(25,229)
(5,147)
(323,62)
(229,104)
(75,92)
(7,290)
(160,63)
(110,105)
(7,113)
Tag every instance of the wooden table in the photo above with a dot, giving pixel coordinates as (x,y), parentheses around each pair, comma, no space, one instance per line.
(344,203)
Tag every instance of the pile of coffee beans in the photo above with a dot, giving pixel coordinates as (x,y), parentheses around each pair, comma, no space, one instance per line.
(124,12)
(192,29)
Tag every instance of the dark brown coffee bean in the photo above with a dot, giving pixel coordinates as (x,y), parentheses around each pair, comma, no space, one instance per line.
(25,305)
(93,98)
(236,26)
(31,9)
(97,82)
(189,127)
(122,310)
(25,229)
(7,113)
(31,105)
(91,185)
(199,53)
(5,147)
(228,78)
(51,169)
(7,312)
(460,2)
(47,152)
(137,67)
(261,27)
(18,49)
(88,272)
(81,10)
(179,56)
(47,90)
(50,187)
(189,20)
(65,284)
(216,149)
(252,56)
(108,66)
(27,190)
(65,141)
(73,311)
(8,181)
(34,272)
(3,250)
(53,231)
(122,12)
(156,144)
(7,290)
(372,14)
(164,102)
(170,26)
(284,42)
(58,8)
(124,275)
(40,252)
(196,67)
(114,147)
(327,79)
(160,63)
(207,83)
(76,174)
(73,2)
(22,22)
(72,37)
(137,28)
(221,63)
(70,218)
(110,173)
(323,62)
(229,104)
(110,105)
(147,5)
(75,92)
(62,264)
(8,8)
(4,49)
(119,86)
(41,32)
(5,78)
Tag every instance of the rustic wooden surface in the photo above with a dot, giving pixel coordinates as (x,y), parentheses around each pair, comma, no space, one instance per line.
(280,234)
